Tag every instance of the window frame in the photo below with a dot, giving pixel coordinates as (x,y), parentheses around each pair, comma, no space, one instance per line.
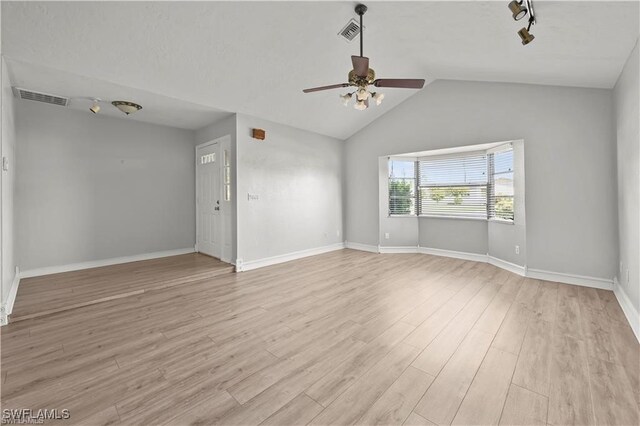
(489,186)
(415,186)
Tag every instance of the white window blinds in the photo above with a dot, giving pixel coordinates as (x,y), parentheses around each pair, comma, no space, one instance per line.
(402,187)
(454,185)
(501,184)
(466,185)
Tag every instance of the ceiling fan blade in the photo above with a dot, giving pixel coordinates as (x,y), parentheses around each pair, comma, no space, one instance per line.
(333,86)
(360,65)
(404,83)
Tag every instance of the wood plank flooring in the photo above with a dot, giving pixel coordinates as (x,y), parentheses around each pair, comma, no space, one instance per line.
(44,295)
(346,337)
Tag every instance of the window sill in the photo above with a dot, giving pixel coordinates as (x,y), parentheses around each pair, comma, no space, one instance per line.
(502,221)
(402,216)
(481,219)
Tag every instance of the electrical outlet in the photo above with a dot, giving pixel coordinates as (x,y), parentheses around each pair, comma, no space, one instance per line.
(517,249)
(337,232)
(386,235)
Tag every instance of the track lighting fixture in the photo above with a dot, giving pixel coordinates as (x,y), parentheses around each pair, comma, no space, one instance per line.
(96,106)
(520,10)
(517,9)
(126,106)
(525,35)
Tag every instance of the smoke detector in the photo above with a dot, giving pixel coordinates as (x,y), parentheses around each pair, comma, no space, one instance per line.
(47,98)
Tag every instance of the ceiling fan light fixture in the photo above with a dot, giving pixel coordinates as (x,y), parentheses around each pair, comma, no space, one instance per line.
(378,97)
(345,99)
(362,94)
(126,106)
(360,105)
(517,9)
(95,108)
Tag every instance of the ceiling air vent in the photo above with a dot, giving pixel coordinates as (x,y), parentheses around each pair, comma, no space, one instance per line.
(350,31)
(40,97)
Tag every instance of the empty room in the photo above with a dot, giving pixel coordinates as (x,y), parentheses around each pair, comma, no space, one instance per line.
(320,213)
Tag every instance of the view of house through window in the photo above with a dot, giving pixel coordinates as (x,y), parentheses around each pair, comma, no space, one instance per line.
(467,185)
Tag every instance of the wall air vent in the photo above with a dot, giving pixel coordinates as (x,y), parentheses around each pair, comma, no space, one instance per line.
(350,31)
(40,97)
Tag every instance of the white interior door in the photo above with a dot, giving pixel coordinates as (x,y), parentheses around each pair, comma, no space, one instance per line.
(208,219)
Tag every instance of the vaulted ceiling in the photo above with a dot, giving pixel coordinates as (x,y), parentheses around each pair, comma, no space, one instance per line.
(256,57)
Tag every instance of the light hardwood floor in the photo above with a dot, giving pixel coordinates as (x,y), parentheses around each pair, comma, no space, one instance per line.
(44,295)
(347,337)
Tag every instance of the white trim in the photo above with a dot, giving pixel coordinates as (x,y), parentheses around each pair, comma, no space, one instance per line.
(7,308)
(476,257)
(361,247)
(242,266)
(511,267)
(406,249)
(633,317)
(104,262)
(560,277)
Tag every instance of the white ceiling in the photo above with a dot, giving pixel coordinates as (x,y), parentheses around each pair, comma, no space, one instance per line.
(256,57)
(156,108)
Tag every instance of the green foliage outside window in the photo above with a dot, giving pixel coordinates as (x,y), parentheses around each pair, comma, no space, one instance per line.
(400,195)
(440,193)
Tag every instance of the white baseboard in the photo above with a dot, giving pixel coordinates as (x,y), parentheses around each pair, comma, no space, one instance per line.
(104,262)
(560,277)
(242,266)
(633,316)
(511,267)
(408,249)
(361,247)
(476,257)
(7,308)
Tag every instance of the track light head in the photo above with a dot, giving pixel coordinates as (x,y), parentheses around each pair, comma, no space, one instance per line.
(96,106)
(517,9)
(526,36)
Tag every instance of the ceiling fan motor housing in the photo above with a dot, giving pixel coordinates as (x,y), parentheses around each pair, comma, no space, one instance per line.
(356,80)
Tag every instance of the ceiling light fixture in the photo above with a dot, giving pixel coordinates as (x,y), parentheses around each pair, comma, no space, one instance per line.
(378,97)
(361,105)
(96,106)
(517,9)
(361,77)
(126,106)
(525,35)
(346,98)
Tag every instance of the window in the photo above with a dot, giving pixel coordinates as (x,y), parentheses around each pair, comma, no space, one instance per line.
(466,185)
(501,190)
(402,187)
(208,158)
(227,176)
(454,186)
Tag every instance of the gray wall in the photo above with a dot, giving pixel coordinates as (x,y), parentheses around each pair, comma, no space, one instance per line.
(92,187)
(297,176)
(568,133)
(628,140)
(7,187)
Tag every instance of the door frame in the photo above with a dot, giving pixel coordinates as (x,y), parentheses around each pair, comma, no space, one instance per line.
(222,241)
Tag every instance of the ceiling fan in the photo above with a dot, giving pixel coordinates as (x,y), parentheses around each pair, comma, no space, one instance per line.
(361,77)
